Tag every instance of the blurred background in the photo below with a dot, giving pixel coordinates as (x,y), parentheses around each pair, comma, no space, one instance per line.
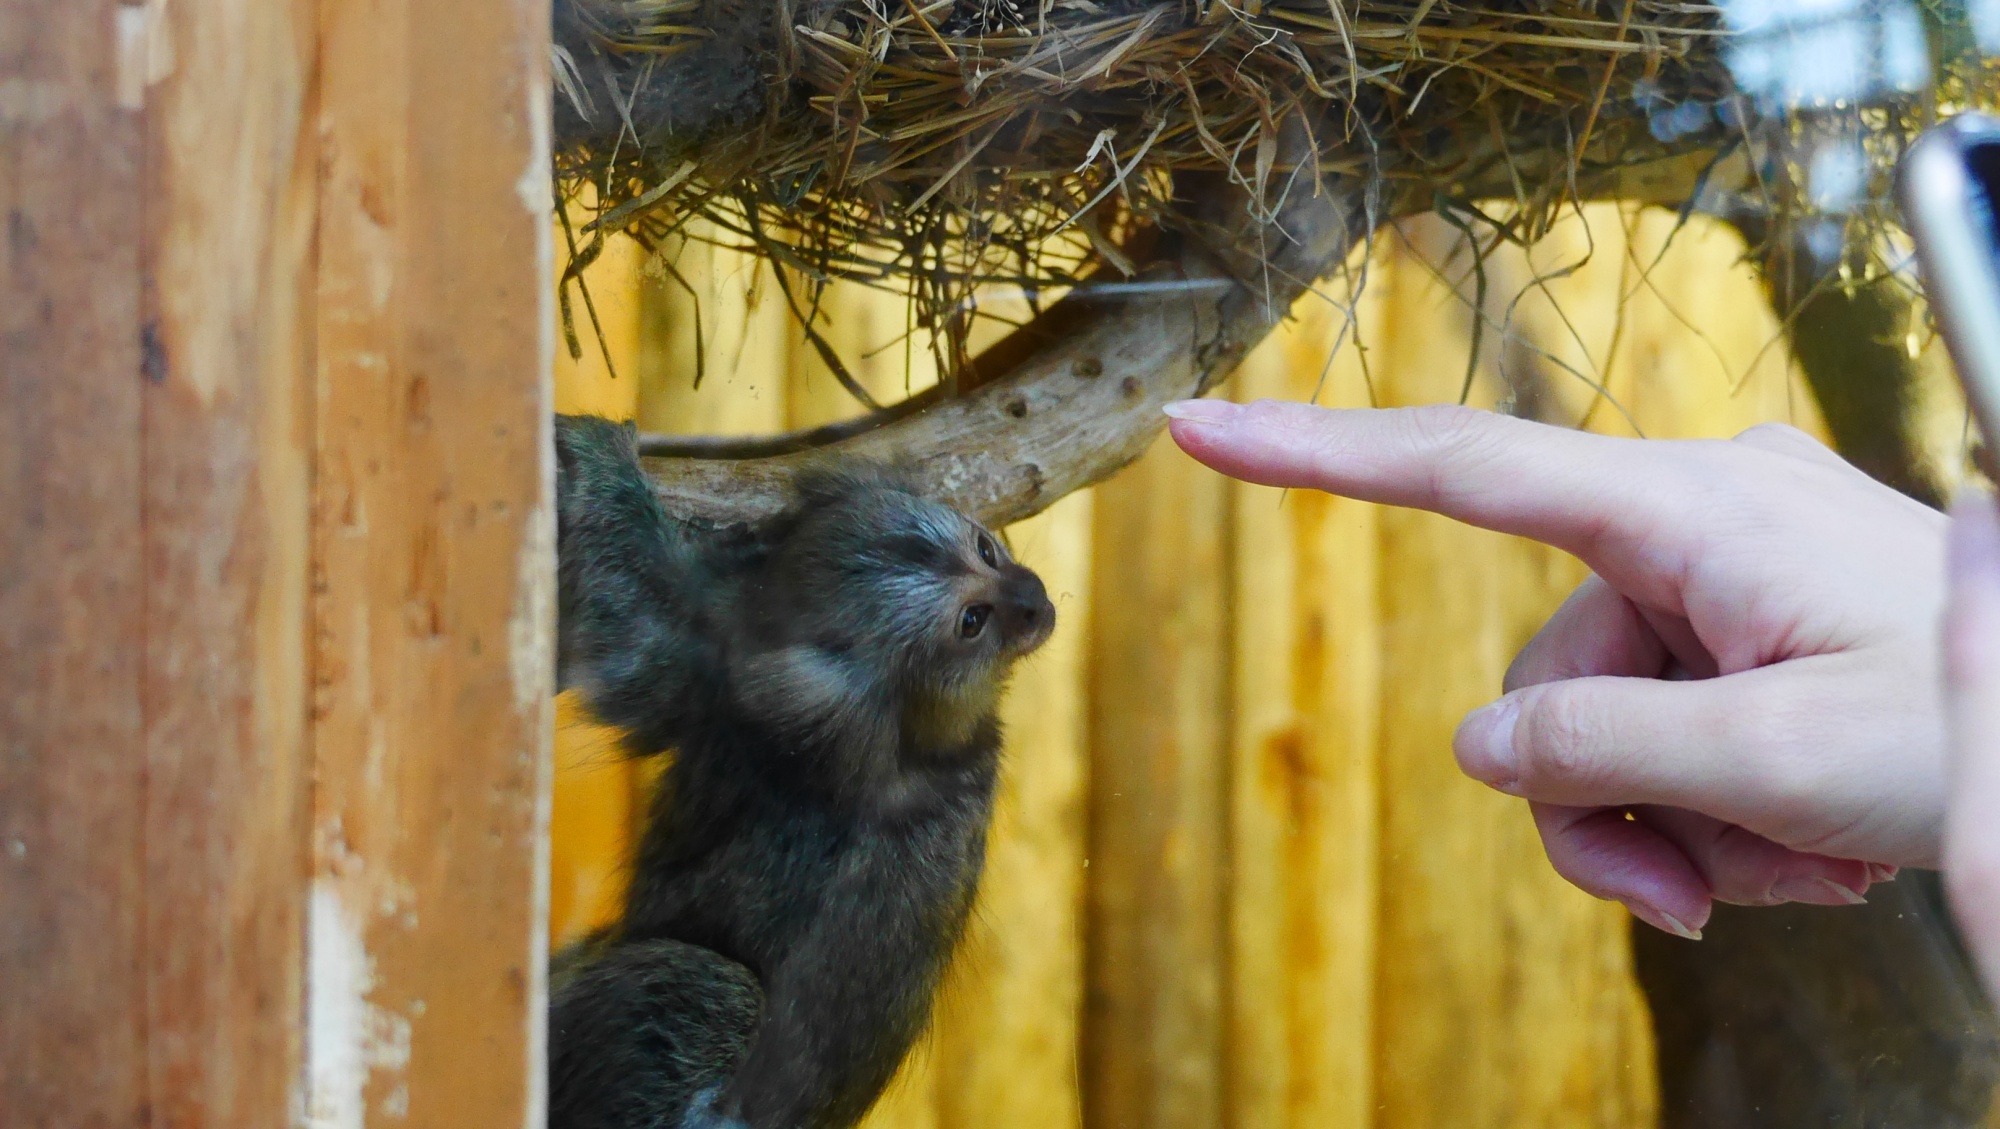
(1235,878)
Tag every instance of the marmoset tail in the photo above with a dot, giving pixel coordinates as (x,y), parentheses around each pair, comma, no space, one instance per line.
(828,683)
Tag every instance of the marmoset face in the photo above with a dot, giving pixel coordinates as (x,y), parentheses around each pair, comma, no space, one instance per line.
(909,585)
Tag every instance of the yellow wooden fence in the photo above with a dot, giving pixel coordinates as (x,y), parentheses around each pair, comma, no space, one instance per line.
(1235,879)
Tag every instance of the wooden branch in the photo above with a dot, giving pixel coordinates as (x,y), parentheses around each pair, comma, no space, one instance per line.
(1076,395)
(1082,402)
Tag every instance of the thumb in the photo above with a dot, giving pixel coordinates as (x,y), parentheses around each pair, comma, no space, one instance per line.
(1729,747)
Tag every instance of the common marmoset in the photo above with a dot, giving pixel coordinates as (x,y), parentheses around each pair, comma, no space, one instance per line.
(827,681)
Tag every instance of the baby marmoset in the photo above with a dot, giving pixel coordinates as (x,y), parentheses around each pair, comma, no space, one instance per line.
(827,681)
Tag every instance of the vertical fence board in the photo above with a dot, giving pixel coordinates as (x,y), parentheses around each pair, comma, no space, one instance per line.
(1303,835)
(433,531)
(861,326)
(594,819)
(1505,995)
(1152,1042)
(726,327)
(71,569)
(230,199)
(604,381)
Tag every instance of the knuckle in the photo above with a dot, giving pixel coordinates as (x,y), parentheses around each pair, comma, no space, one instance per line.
(1561,741)
(1796,446)
(1451,441)
(1741,867)
(1442,425)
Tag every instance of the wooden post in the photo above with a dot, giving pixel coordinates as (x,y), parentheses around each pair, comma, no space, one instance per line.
(72,572)
(1303,791)
(1153,1007)
(155,493)
(433,536)
(274,562)
(226,341)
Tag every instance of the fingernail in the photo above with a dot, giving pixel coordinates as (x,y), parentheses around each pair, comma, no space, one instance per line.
(1203,411)
(1485,744)
(1662,920)
(1882,872)
(1814,890)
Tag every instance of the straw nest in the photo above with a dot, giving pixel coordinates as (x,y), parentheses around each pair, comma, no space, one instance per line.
(944,143)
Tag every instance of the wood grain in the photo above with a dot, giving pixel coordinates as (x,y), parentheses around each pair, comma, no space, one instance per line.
(433,538)
(1076,405)
(1303,787)
(728,328)
(1505,996)
(72,569)
(1154,962)
(231,199)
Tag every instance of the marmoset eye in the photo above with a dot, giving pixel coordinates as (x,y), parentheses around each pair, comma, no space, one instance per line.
(988,554)
(972,621)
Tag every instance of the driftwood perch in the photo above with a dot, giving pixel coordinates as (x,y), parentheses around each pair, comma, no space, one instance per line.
(1071,398)
(1082,400)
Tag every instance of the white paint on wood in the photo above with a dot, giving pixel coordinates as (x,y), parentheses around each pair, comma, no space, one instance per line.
(337,983)
(350,1040)
(531,626)
(531,635)
(131,31)
(145,50)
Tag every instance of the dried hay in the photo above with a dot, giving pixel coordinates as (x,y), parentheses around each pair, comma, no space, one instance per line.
(941,145)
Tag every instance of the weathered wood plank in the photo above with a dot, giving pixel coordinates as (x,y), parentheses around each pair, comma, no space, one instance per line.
(433,532)
(1154,959)
(71,571)
(230,200)
(1303,789)
(1505,996)
(729,327)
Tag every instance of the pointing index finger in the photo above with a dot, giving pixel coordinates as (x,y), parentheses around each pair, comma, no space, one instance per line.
(1561,487)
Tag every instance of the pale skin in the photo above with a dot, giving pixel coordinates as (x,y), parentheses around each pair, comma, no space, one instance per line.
(1746,702)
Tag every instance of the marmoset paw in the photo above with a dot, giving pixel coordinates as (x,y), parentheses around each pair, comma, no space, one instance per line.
(701,1113)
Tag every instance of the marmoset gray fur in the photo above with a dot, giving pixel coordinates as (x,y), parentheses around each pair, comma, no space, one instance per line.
(827,681)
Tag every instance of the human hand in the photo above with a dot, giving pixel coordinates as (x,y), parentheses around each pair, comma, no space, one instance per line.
(1740,705)
(1972,699)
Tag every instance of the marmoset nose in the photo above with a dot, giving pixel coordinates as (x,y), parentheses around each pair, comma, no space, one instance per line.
(1025,607)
